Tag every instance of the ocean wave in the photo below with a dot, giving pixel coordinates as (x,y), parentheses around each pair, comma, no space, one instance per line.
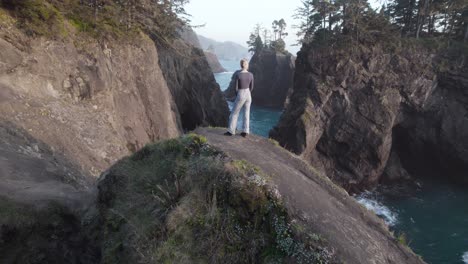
(371,203)
(465,257)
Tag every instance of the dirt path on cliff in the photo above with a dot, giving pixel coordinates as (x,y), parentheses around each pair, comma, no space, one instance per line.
(356,234)
(30,173)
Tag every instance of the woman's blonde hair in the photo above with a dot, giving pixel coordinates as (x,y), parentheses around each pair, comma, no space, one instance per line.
(244,63)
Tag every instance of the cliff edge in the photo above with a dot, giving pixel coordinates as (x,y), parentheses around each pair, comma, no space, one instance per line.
(356,234)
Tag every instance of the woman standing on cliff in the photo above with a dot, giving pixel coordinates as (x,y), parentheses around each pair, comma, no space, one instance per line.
(244,85)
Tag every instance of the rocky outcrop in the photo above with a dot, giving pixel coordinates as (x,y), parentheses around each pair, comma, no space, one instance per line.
(189,203)
(312,201)
(189,74)
(198,98)
(190,37)
(432,140)
(273,73)
(96,101)
(189,199)
(214,62)
(350,108)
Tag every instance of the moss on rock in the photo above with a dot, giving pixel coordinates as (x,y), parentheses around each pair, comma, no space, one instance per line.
(181,201)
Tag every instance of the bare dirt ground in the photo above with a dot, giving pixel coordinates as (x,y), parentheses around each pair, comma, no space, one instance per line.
(356,234)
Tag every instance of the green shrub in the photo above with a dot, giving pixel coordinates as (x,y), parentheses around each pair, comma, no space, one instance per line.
(179,201)
(119,19)
(36,17)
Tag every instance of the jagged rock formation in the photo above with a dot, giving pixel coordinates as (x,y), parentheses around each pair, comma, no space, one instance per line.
(350,108)
(198,98)
(98,101)
(187,70)
(214,62)
(189,36)
(432,140)
(94,103)
(273,72)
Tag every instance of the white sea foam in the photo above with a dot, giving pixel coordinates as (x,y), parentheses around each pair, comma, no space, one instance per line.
(366,199)
(465,257)
(226,72)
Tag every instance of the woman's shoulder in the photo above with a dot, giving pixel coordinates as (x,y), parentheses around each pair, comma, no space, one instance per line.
(247,72)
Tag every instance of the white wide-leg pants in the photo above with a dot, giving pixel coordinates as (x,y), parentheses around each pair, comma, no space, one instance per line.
(243,99)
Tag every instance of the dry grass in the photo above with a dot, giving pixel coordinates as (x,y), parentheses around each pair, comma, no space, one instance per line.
(180,201)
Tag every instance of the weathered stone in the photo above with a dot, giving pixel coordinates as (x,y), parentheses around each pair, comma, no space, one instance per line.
(350,107)
(198,98)
(214,62)
(136,104)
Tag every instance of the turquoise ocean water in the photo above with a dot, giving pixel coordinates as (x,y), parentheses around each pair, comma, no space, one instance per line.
(433,216)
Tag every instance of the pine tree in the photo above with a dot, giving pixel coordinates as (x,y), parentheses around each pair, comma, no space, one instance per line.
(279,29)
(255,42)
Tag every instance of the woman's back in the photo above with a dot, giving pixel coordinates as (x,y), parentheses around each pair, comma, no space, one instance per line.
(244,80)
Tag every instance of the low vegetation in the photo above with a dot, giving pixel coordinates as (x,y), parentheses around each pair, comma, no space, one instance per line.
(100,18)
(181,201)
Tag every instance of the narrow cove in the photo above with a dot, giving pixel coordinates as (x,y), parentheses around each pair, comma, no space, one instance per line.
(432,216)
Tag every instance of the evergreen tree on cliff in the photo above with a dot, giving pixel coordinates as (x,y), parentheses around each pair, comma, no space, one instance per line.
(255,42)
(429,18)
(413,18)
(279,30)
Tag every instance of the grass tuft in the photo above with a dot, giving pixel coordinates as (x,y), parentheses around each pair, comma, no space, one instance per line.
(178,201)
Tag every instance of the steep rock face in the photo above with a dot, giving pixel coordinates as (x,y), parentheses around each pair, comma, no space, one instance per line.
(273,73)
(95,102)
(214,62)
(190,37)
(42,200)
(198,98)
(434,141)
(348,107)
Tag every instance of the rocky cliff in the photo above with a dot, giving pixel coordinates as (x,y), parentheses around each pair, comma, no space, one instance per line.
(351,108)
(72,103)
(273,73)
(188,199)
(188,75)
(96,101)
(214,62)
(432,140)
(194,199)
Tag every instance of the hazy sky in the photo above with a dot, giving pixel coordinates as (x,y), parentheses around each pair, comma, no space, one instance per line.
(234,20)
